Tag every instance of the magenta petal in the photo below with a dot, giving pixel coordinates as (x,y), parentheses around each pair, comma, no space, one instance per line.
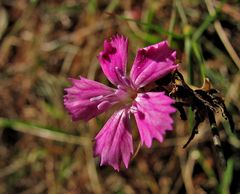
(152,63)
(85,98)
(153,116)
(113,59)
(114,141)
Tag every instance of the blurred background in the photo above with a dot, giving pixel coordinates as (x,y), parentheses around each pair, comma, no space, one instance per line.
(42,43)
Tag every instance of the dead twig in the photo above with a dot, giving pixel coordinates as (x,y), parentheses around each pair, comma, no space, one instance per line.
(221,161)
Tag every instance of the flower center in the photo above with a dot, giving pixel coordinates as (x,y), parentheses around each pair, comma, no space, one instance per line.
(132,93)
(126,95)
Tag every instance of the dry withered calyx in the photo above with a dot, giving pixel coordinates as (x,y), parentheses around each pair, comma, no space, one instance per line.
(204,101)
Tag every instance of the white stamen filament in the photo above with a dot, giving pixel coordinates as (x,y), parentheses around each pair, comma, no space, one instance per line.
(118,71)
(120,87)
(133,109)
(103,105)
(125,80)
(96,98)
(122,78)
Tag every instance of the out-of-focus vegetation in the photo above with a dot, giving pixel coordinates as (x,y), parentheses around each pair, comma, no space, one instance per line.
(42,43)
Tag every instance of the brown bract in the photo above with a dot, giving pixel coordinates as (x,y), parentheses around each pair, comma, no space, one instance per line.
(204,101)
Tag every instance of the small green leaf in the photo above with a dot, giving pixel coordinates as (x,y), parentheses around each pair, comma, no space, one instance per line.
(224,187)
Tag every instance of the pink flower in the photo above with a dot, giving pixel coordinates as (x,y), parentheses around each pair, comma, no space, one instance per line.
(86,99)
